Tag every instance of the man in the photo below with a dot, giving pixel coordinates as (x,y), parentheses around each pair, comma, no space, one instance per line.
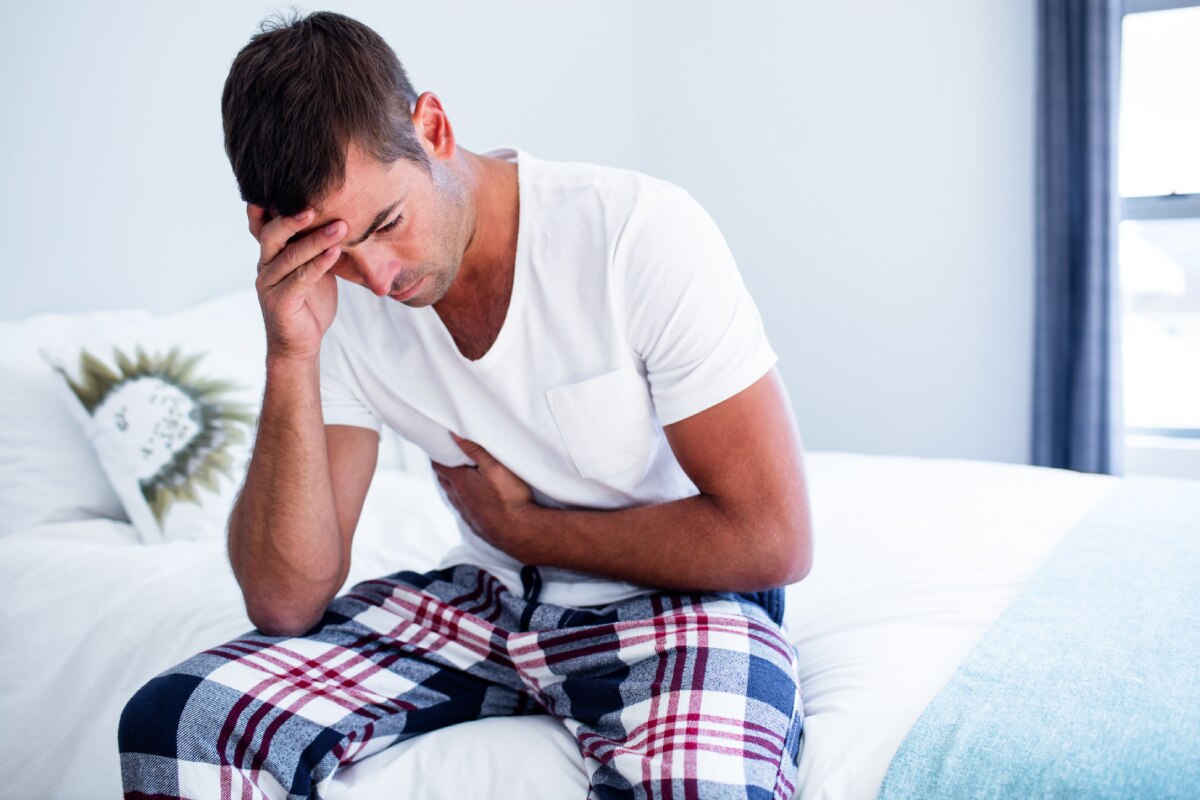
(573,347)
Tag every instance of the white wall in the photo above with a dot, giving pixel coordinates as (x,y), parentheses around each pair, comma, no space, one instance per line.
(870,163)
(119,191)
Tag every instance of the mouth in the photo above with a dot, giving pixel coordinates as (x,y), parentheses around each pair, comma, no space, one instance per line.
(407,293)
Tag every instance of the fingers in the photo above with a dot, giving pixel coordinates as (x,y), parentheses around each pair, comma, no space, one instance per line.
(301,279)
(257,217)
(442,476)
(445,479)
(276,233)
(473,451)
(299,254)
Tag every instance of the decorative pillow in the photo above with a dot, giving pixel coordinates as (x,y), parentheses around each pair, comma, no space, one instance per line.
(170,406)
(49,472)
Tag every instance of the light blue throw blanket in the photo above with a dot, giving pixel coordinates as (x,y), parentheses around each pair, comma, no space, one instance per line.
(1088,685)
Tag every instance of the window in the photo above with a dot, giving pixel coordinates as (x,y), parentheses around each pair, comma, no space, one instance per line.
(1158,166)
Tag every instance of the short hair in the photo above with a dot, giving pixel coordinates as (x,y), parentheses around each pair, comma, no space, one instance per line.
(299,94)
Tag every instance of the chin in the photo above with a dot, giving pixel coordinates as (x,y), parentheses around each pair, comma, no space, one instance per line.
(426,296)
(420,301)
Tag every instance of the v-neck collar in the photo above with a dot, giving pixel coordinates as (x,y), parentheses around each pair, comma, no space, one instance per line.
(516,294)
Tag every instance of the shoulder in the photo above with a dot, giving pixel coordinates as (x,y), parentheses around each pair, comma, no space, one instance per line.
(617,195)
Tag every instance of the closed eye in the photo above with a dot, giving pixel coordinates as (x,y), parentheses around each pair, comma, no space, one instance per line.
(391,225)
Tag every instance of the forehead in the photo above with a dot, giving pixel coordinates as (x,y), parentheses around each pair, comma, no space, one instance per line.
(368,186)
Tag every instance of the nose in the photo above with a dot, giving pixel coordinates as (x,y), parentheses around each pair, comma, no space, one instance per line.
(379,283)
(376,275)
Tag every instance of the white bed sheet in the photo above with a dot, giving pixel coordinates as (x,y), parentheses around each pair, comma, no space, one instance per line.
(914,560)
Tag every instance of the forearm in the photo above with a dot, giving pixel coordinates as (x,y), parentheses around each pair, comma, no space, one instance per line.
(284,542)
(690,544)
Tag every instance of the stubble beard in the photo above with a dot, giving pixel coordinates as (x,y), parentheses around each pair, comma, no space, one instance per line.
(440,274)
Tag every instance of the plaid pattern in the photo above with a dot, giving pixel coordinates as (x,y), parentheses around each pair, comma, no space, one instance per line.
(668,695)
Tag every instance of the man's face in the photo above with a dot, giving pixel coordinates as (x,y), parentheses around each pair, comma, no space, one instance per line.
(408,230)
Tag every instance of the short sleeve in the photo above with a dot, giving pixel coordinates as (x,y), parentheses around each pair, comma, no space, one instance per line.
(687,312)
(341,400)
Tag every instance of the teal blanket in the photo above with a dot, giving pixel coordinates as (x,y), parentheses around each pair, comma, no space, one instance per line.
(1088,685)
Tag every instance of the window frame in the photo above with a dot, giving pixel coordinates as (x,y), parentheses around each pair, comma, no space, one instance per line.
(1165,451)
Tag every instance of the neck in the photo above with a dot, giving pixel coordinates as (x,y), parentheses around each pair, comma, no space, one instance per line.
(491,253)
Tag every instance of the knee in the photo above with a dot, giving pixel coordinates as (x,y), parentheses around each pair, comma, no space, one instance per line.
(150,722)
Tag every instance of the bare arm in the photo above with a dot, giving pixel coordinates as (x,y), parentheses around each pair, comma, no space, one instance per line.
(749,529)
(291,528)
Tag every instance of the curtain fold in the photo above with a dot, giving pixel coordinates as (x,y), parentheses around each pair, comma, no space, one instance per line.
(1077,417)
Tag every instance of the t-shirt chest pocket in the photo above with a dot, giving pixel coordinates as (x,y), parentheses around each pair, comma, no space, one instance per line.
(607,422)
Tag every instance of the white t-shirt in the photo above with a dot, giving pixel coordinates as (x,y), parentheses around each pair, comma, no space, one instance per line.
(627,314)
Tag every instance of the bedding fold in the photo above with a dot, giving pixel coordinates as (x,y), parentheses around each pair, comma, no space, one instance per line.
(1088,685)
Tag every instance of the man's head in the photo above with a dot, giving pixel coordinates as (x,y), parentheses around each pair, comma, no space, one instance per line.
(319,113)
(299,94)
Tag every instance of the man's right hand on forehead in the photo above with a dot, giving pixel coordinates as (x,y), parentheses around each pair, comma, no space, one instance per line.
(296,290)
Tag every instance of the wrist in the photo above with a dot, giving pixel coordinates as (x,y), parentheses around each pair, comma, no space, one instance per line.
(289,365)
(528,521)
(293,385)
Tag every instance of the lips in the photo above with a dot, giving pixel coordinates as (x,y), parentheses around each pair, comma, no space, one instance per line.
(409,292)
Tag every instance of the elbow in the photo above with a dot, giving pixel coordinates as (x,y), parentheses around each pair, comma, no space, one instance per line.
(801,566)
(282,626)
(280,621)
(773,545)
(793,556)
(792,567)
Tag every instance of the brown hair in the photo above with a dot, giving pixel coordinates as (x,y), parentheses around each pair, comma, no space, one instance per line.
(299,94)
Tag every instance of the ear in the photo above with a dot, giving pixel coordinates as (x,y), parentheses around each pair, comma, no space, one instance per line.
(433,126)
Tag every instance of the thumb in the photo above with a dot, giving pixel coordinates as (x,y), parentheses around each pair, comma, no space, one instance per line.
(482,458)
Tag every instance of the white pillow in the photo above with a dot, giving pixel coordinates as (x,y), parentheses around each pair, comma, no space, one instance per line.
(49,472)
(529,757)
(170,405)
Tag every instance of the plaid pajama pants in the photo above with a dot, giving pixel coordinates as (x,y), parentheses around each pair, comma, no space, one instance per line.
(668,695)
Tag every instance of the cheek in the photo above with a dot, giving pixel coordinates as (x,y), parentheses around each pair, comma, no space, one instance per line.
(344,269)
(349,269)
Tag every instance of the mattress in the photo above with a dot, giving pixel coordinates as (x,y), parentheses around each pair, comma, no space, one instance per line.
(914,560)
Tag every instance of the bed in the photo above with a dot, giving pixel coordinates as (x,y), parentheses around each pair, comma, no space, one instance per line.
(922,567)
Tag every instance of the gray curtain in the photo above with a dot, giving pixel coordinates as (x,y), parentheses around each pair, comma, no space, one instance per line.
(1077,415)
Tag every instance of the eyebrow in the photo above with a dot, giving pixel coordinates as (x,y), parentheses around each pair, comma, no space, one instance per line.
(379,218)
